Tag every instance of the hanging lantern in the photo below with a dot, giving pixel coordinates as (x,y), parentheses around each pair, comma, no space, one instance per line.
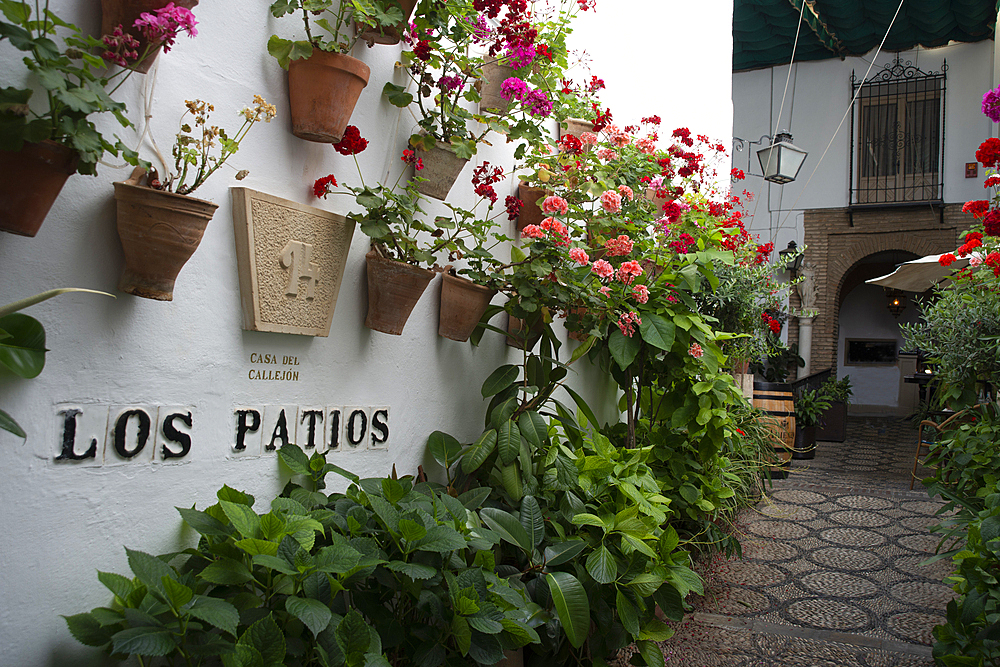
(897,301)
(780,162)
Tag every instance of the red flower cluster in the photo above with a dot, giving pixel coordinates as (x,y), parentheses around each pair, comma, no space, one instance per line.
(672,210)
(976,208)
(483,177)
(652,120)
(322,186)
(989,152)
(737,174)
(773,324)
(619,246)
(586,4)
(991,182)
(973,240)
(423,50)
(513,205)
(543,50)
(601,120)
(683,244)
(946,259)
(571,144)
(993,261)
(352,142)
(684,135)
(991,223)
(410,157)
(763,253)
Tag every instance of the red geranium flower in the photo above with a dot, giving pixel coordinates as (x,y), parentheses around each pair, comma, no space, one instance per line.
(352,142)
(989,152)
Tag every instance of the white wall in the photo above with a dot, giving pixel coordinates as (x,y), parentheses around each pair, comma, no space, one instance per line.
(864,315)
(61,521)
(818,95)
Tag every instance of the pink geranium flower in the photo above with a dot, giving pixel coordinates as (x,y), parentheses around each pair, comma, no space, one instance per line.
(579,255)
(611,201)
(603,268)
(533,232)
(626,192)
(554,204)
(695,350)
(629,271)
(641,293)
(627,323)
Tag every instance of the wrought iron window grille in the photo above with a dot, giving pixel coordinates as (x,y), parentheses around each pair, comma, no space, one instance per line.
(897,141)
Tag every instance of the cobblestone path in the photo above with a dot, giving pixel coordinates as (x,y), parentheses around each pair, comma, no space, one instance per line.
(831,574)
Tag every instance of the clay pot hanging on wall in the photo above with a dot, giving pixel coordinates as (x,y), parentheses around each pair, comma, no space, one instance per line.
(30,182)
(441,169)
(389,34)
(159,232)
(516,331)
(125,13)
(531,213)
(393,290)
(576,127)
(463,303)
(323,90)
(494,74)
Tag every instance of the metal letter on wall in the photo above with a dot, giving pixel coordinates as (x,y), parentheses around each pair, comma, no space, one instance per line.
(291,261)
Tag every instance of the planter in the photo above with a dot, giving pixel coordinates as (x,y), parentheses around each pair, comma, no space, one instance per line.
(159,232)
(576,127)
(515,332)
(389,34)
(834,423)
(531,212)
(805,442)
(776,399)
(441,169)
(125,13)
(658,202)
(393,290)
(463,303)
(30,182)
(322,92)
(494,74)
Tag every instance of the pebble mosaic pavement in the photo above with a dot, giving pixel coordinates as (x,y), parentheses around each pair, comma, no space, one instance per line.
(831,574)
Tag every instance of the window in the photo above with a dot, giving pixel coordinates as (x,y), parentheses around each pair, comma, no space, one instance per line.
(898,147)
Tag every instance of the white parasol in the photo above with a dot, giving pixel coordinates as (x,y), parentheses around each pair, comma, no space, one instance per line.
(919,275)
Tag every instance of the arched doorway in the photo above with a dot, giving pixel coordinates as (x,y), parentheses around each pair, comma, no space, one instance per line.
(869,337)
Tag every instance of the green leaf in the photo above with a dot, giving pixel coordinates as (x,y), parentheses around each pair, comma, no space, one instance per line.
(533,428)
(602,566)
(532,520)
(651,653)
(121,586)
(7,423)
(230,494)
(508,442)
(226,572)
(508,527)
(144,641)
(563,552)
(441,539)
(244,519)
(670,602)
(411,530)
(286,50)
(150,570)
(272,526)
(572,605)
(479,451)
(462,634)
(414,571)
(257,547)
(474,499)
(267,638)
(623,348)
(352,634)
(627,612)
(295,459)
(23,351)
(206,524)
(177,593)
(219,613)
(87,630)
(313,613)
(500,379)
(444,448)
(275,563)
(583,349)
(583,406)
(657,331)
(397,95)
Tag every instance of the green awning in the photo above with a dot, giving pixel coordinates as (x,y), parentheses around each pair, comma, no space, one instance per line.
(764,30)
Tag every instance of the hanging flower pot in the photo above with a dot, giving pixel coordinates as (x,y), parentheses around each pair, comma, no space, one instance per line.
(531,213)
(30,182)
(463,303)
(393,290)
(516,331)
(494,74)
(159,232)
(388,34)
(125,13)
(441,170)
(322,92)
(576,127)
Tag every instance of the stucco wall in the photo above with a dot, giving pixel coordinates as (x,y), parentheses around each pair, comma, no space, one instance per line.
(64,521)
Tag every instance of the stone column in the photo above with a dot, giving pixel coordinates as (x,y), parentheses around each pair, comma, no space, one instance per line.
(805,342)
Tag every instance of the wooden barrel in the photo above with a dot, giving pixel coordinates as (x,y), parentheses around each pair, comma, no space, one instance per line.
(776,399)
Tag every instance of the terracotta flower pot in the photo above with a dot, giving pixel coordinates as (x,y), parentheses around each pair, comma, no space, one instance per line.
(30,181)
(576,127)
(322,92)
(463,303)
(494,74)
(516,332)
(159,232)
(125,13)
(531,212)
(578,335)
(441,169)
(389,34)
(393,290)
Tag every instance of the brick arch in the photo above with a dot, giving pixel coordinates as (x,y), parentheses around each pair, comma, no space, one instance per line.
(837,241)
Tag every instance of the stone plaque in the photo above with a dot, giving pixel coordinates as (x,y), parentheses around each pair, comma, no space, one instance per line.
(291,261)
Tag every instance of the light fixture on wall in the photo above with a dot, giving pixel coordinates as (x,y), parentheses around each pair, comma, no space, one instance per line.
(785,257)
(897,301)
(780,159)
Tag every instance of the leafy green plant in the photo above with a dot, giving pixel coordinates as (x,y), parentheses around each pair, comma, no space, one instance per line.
(810,404)
(22,344)
(390,572)
(839,391)
(334,18)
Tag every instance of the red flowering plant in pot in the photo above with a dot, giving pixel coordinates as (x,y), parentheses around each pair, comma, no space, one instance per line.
(324,81)
(159,223)
(42,144)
